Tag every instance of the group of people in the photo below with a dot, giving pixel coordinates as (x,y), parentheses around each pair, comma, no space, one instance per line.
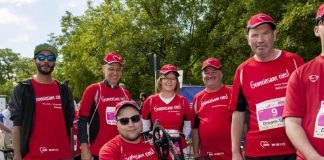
(283,98)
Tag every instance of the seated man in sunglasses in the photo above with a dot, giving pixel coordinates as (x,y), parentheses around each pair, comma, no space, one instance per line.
(128,144)
(42,112)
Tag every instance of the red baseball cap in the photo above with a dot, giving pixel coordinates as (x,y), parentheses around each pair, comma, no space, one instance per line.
(212,62)
(169,68)
(320,12)
(259,19)
(123,104)
(113,57)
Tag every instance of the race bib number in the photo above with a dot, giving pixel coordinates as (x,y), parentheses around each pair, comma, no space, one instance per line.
(110,115)
(319,124)
(269,114)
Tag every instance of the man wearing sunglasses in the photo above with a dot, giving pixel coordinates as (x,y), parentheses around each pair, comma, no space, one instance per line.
(304,107)
(128,144)
(42,112)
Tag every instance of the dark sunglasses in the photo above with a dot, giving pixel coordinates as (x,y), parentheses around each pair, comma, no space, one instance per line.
(125,121)
(42,57)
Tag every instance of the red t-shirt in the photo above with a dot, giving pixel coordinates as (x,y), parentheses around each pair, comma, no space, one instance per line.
(305,99)
(171,115)
(109,97)
(214,122)
(118,149)
(49,139)
(264,86)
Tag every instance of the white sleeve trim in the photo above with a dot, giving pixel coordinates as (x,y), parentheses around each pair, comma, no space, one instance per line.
(146,124)
(186,128)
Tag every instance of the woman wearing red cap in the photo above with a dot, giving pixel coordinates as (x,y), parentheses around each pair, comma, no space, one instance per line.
(171,109)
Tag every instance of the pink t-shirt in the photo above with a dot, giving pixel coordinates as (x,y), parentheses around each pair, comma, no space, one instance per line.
(49,139)
(305,99)
(214,123)
(118,149)
(264,86)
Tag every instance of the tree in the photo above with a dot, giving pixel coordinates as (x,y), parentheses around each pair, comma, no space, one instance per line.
(180,32)
(13,68)
(7,65)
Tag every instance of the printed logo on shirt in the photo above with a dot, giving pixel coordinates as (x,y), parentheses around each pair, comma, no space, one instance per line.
(211,154)
(203,103)
(265,144)
(50,101)
(48,98)
(268,80)
(166,108)
(44,149)
(141,156)
(113,99)
(313,78)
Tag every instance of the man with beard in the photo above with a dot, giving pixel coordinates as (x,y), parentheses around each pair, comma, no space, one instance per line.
(128,144)
(42,111)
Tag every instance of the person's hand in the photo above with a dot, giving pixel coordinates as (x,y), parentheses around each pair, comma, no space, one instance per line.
(85,152)
(17,157)
(316,157)
(237,156)
(86,155)
(196,156)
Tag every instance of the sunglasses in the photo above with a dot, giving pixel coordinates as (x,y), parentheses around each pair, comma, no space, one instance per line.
(42,57)
(125,121)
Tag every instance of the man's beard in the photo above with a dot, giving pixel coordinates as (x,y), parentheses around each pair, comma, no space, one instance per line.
(130,139)
(45,72)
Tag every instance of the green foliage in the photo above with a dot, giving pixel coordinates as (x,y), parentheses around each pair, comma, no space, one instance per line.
(180,32)
(7,65)
(13,68)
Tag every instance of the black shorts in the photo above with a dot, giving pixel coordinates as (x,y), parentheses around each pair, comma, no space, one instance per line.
(281,157)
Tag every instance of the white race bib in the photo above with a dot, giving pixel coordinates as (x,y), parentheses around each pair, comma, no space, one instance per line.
(319,124)
(269,113)
(110,115)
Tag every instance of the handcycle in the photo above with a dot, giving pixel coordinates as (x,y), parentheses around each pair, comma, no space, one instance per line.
(164,144)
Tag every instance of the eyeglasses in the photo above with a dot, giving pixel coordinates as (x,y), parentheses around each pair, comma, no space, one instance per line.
(169,79)
(114,70)
(210,72)
(320,22)
(125,121)
(42,57)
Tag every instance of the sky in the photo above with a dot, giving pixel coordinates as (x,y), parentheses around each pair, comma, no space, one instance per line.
(27,23)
